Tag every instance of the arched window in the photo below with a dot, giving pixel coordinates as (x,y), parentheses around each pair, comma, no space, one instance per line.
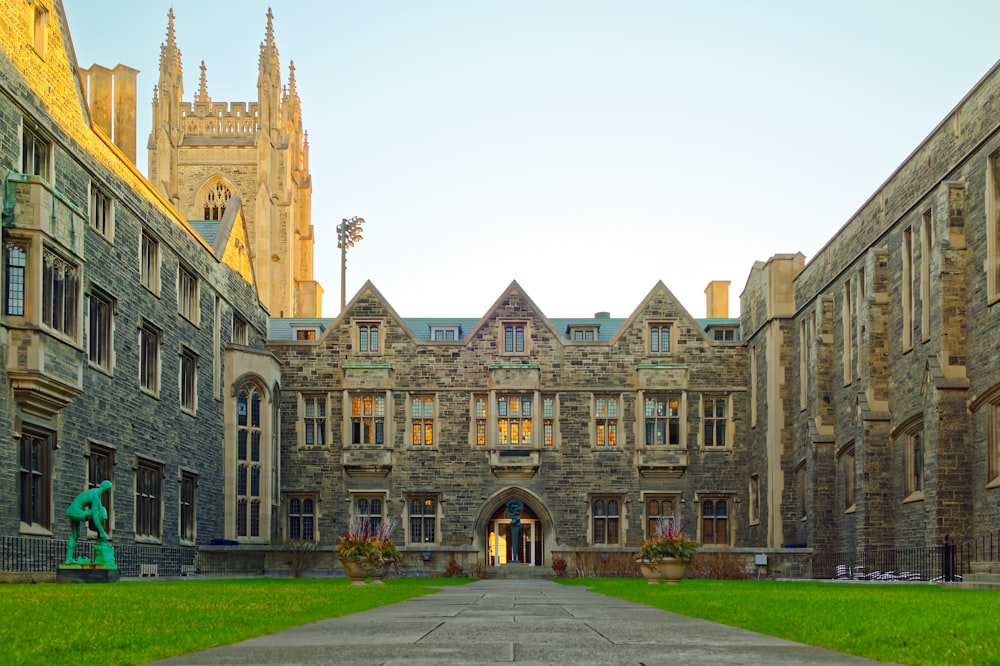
(248,461)
(216,200)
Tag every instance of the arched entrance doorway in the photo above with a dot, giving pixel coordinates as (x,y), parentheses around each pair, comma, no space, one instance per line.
(514,535)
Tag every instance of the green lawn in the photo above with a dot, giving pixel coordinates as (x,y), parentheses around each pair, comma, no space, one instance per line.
(910,624)
(133,622)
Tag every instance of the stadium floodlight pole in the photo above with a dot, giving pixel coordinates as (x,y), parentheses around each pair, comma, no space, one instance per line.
(348,233)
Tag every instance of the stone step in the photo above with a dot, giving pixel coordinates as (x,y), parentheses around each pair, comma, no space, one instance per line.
(519,571)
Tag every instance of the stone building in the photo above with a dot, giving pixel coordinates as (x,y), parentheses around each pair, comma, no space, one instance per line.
(594,427)
(875,387)
(203,152)
(131,345)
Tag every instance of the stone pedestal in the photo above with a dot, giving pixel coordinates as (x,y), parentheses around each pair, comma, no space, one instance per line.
(86,573)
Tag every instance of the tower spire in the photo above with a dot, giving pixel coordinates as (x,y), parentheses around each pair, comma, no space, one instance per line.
(202,95)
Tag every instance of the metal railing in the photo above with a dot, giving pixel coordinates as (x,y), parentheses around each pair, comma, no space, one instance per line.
(31,554)
(947,561)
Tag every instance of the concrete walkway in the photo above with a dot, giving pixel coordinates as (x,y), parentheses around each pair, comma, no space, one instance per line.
(521,621)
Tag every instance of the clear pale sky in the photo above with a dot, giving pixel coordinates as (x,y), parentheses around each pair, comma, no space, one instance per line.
(585,149)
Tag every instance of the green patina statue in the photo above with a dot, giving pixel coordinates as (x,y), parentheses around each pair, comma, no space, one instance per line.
(87,506)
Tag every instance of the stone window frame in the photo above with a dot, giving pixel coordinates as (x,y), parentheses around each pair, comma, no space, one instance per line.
(753,493)
(429,514)
(150,261)
(314,418)
(251,450)
(847,327)
(102,309)
(36,152)
(445,333)
(37,23)
(188,380)
(606,425)
(799,473)
(361,507)
(680,418)
(423,430)
(101,219)
(926,252)
(16,276)
(583,333)
(515,337)
(148,500)
(550,422)
(505,417)
(726,421)
(911,437)
(369,336)
(848,472)
(241,330)
(150,340)
(188,294)
(599,507)
(36,455)
(302,517)
(993,228)
(380,421)
(724,334)
(187,507)
(717,501)
(653,509)
(655,330)
(906,291)
(100,462)
(61,289)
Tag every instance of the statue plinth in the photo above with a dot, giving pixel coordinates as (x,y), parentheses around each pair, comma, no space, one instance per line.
(87,573)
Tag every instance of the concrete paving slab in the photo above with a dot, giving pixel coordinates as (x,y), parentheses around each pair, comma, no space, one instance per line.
(516,621)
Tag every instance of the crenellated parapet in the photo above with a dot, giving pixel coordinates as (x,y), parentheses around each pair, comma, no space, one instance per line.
(220,118)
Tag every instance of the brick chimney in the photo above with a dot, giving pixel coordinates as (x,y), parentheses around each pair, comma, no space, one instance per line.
(110,95)
(717,299)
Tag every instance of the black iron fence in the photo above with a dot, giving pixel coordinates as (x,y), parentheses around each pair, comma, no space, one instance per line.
(985,548)
(946,561)
(31,555)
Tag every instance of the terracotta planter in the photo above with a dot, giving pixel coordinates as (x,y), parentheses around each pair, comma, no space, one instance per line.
(669,569)
(358,570)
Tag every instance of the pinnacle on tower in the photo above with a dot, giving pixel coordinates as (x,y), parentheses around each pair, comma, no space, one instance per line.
(202,95)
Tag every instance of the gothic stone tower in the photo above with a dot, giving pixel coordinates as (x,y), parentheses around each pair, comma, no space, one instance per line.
(203,153)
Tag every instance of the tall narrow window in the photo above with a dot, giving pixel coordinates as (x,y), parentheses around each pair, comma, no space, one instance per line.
(606,420)
(248,462)
(850,476)
(803,365)
(606,517)
(36,153)
(913,462)
(846,339)
(754,498)
(189,381)
(993,227)
(60,286)
(993,441)
(368,418)
(314,420)
(368,338)
(663,420)
(302,519)
(35,479)
(100,212)
(101,330)
(906,290)
(926,250)
(716,419)
(149,358)
(148,500)
(548,420)
(513,419)
(753,386)
(149,264)
(14,266)
(100,467)
(859,326)
(423,520)
(480,407)
(187,507)
(41,18)
(513,338)
(715,521)
(422,420)
(659,339)
(240,327)
(187,295)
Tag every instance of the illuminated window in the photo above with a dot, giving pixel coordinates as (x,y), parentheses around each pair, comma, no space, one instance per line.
(368,418)
(548,420)
(305,334)
(423,520)
(422,420)
(606,520)
(480,407)
(302,518)
(663,420)
(513,420)
(606,420)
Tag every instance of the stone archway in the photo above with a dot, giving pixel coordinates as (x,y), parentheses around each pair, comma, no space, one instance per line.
(495,529)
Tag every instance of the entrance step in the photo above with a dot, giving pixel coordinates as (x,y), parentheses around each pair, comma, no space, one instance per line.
(519,571)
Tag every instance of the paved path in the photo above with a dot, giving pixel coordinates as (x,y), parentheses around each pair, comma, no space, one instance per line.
(520,621)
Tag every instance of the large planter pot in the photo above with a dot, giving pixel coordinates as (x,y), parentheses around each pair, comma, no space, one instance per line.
(669,569)
(360,569)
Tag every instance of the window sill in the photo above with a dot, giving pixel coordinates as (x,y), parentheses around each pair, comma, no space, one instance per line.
(151,394)
(851,509)
(917,496)
(32,529)
(101,369)
(995,483)
(149,539)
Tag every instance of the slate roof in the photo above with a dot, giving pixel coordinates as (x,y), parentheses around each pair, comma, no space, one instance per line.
(207,229)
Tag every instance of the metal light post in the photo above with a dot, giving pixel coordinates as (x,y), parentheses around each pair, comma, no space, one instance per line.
(348,233)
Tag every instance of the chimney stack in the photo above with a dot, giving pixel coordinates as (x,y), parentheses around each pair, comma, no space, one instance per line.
(717,299)
(110,95)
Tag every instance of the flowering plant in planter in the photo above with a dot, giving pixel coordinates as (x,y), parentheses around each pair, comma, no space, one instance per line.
(369,543)
(668,540)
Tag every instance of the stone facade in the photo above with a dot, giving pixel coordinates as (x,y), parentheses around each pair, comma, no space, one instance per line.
(202,152)
(83,389)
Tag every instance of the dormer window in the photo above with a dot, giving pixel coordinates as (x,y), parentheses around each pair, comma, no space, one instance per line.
(305,333)
(724,334)
(445,332)
(582,333)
